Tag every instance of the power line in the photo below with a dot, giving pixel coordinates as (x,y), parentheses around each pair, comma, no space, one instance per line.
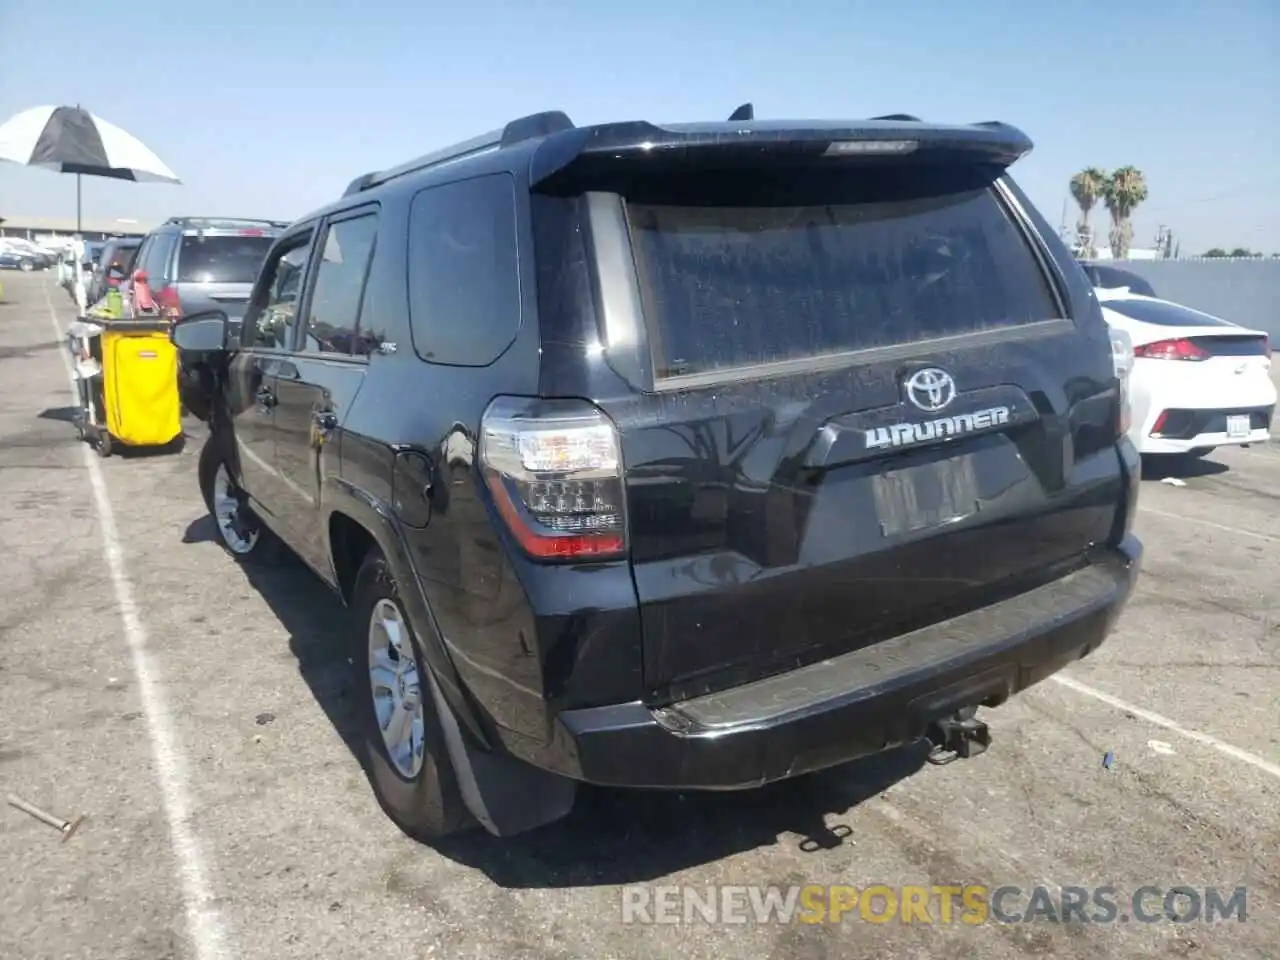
(1238,191)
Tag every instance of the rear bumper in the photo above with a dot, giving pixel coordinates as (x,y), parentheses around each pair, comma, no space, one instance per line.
(1201,441)
(1176,413)
(856,704)
(1184,430)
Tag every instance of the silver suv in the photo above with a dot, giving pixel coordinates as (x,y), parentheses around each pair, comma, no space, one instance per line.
(191,264)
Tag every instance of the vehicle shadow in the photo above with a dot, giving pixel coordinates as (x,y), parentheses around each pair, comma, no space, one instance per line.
(62,414)
(313,618)
(1180,468)
(612,836)
(617,837)
(26,351)
(72,415)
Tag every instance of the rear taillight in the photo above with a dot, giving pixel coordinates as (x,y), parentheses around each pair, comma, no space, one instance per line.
(1181,349)
(1122,360)
(169,303)
(554,468)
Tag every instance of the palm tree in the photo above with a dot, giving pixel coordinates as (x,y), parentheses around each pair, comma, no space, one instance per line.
(1086,188)
(1122,191)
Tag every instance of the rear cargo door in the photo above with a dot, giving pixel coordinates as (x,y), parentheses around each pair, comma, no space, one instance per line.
(216,271)
(869,411)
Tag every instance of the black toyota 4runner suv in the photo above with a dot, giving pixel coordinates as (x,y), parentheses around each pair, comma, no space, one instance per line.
(691,456)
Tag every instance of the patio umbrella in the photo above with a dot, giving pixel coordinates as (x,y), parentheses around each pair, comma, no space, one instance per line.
(73,140)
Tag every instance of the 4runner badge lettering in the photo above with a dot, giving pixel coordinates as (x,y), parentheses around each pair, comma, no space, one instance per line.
(907,434)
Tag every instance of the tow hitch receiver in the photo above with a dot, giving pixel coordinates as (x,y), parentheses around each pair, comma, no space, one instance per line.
(956,737)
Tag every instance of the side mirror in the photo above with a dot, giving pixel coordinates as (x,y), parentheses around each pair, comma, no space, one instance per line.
(204,332)
(139,276)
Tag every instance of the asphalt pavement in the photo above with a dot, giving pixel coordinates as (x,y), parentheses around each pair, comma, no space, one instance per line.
(197,716)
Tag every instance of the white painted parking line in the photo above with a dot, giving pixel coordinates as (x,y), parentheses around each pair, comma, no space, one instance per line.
(204,922)
(1266,766)
(1209,523)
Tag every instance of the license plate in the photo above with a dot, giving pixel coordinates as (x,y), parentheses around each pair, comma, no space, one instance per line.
(1238,426)
(926,495)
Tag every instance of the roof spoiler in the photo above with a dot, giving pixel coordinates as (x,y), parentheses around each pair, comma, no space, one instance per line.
(896,133)
(894,136)
(516,131)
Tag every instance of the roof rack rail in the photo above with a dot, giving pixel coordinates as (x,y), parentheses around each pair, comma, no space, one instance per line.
(216,222)
(906,117)
(518,130)
(745,112)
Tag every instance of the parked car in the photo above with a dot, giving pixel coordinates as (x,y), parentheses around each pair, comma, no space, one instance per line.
(1115,278)
(1198,382)
(11,259)
(190,264)
(36,257)
(689,457)
(115,258)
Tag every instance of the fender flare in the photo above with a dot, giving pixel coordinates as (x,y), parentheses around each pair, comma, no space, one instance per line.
(341,496)
(505,795)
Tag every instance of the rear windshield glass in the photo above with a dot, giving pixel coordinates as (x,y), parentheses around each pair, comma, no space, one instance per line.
(119,254)
(1163,313)
(221,259)
(851,262)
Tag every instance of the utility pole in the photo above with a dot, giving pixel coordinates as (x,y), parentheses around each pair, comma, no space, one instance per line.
(1164,242)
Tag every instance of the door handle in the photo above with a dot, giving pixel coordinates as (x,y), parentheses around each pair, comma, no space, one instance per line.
(325,421)
(266,397)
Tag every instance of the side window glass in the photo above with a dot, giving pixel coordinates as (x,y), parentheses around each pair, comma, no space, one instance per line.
(157,262)
(333,311)
(269,321)
(464,276)
(143,251)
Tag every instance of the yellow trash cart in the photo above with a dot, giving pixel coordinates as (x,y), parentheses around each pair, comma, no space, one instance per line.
(128,375)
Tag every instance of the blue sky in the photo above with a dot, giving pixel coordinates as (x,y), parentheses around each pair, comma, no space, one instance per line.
(269,107)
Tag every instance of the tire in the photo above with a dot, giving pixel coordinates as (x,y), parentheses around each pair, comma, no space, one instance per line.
(104,444)
(26,266)
(419,794)
(239,531)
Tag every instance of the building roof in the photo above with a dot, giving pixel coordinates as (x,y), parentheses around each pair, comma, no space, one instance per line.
(16,222)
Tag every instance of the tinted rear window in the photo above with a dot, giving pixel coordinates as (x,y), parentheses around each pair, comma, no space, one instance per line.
(221,259)
(119,254)
(834,264)
(1165,314)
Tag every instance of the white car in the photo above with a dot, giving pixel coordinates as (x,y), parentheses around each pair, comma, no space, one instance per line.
(1196,382)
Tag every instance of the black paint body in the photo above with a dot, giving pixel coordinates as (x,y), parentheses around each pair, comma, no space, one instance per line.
(762,556)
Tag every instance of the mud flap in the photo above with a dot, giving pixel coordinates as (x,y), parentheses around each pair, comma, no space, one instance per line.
(505,795)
